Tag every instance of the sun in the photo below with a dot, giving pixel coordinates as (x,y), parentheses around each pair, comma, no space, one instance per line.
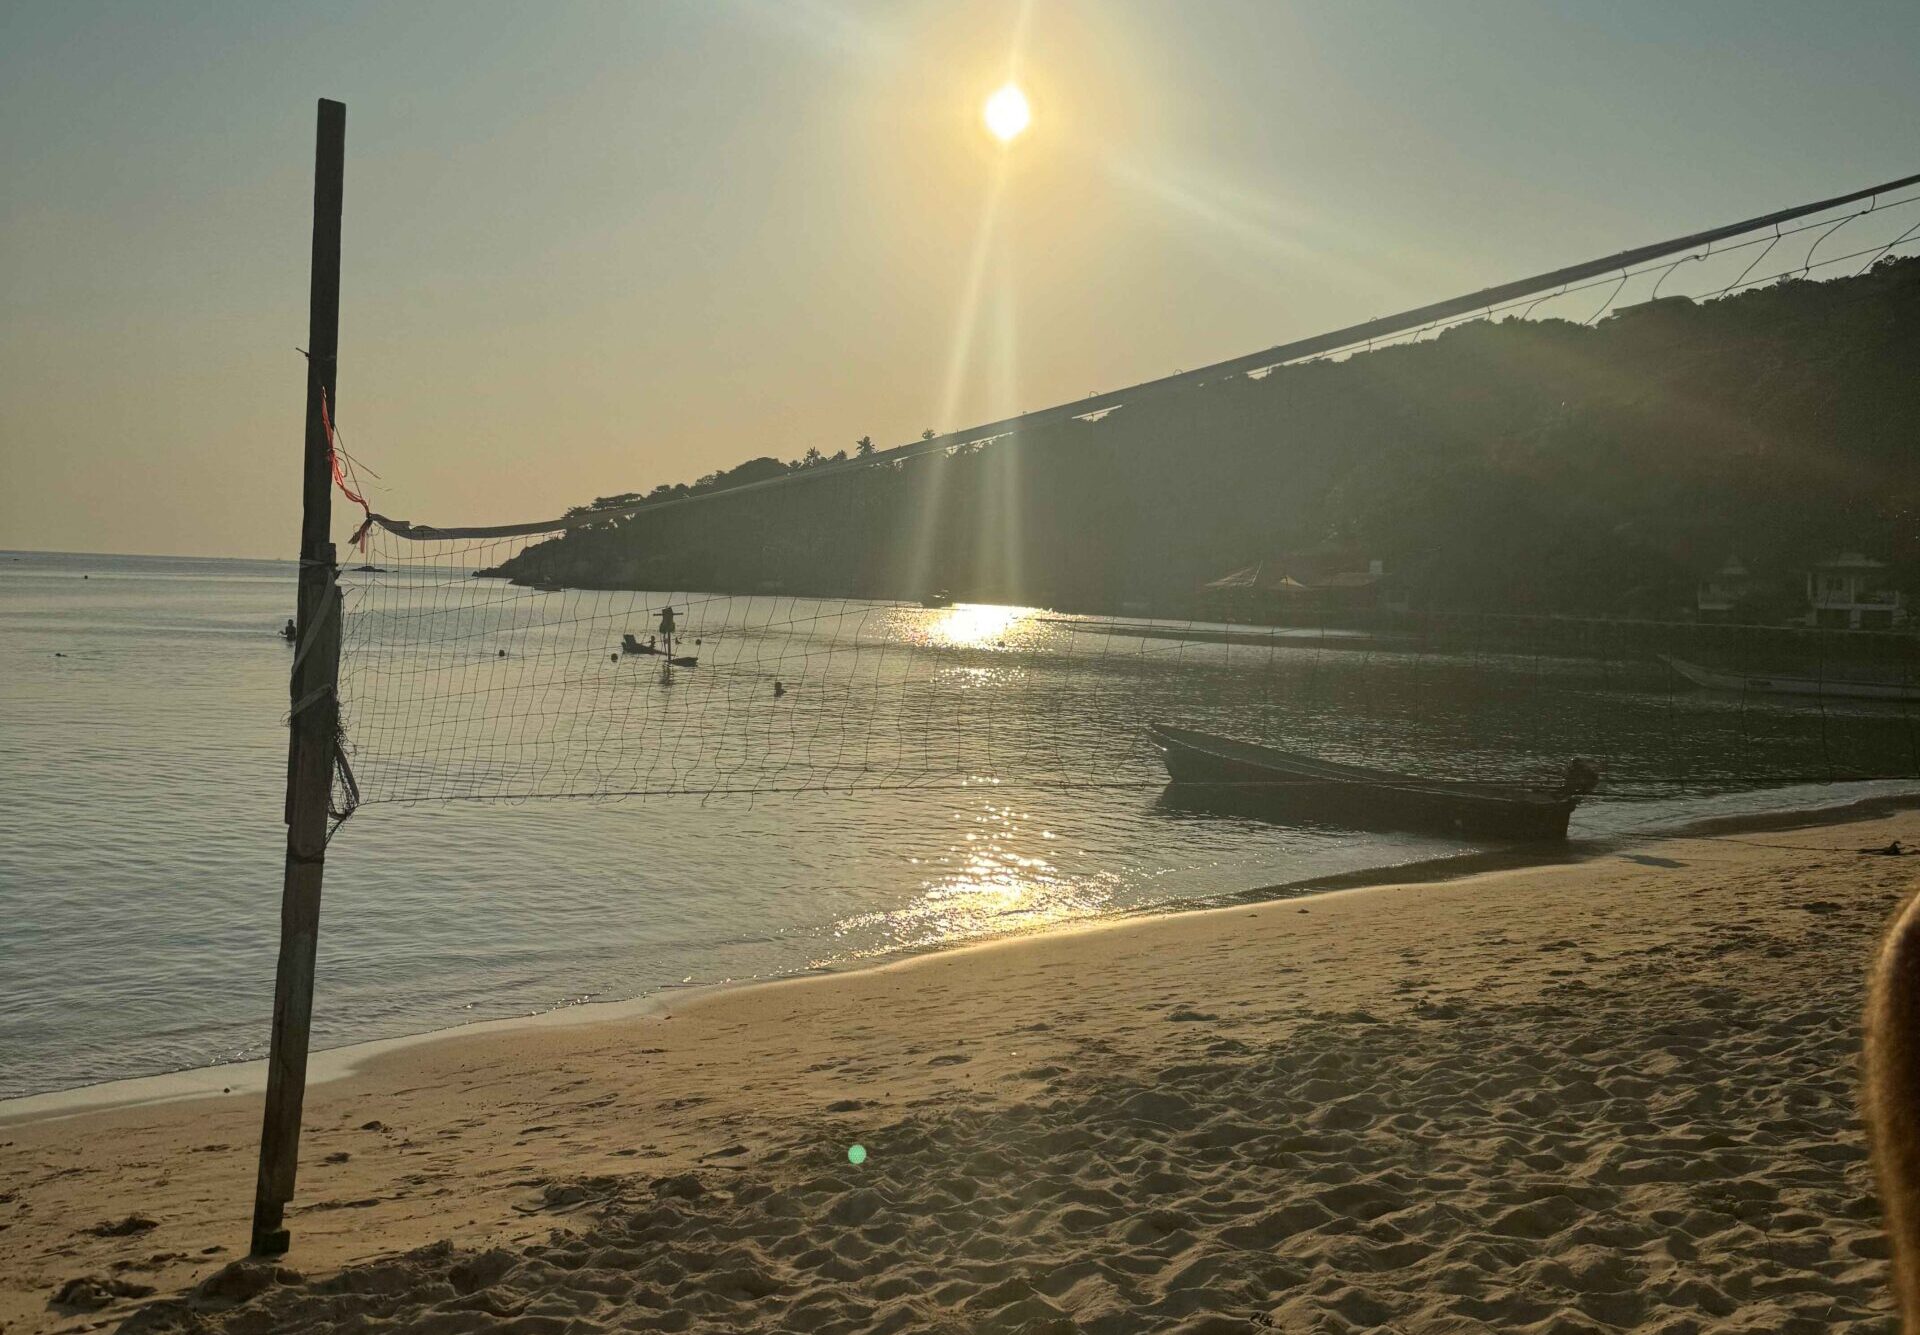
(1007,113)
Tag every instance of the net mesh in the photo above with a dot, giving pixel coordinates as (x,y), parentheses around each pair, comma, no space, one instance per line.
(541,663)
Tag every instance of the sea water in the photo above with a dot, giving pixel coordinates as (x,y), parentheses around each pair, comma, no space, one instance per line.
(143,706)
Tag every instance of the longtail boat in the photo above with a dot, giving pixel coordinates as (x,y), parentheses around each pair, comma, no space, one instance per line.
(1226,773)
(1833,688)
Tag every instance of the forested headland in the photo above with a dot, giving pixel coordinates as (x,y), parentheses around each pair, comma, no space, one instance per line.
(1518,466)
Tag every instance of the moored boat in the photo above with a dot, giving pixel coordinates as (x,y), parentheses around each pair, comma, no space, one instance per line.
(1833,688)
(1227,773)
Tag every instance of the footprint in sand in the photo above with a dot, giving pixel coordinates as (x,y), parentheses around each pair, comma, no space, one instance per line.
(90,1293)
(122,1228)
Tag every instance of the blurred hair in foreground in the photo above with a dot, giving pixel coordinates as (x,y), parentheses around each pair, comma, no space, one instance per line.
(1891,1103)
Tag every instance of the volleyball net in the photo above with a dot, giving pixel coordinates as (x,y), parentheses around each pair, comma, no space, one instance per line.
(1255,548)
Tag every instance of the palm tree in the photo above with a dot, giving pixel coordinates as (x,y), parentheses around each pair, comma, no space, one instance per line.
(812,456)
(863,446)
(928,434)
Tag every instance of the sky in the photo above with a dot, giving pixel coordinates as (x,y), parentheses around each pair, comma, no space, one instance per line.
(593,247)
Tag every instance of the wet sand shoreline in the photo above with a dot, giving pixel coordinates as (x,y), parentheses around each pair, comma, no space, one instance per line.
(337,1063)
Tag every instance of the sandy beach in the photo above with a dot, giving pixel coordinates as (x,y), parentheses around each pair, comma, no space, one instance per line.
(1614,1094)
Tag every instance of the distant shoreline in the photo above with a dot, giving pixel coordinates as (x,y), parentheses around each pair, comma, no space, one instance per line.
(17,552)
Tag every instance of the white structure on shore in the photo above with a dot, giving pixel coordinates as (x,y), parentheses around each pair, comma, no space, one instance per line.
(1852,592)
(1725,589)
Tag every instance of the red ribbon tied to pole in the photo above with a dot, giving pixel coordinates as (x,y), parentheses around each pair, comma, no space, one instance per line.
(340,476)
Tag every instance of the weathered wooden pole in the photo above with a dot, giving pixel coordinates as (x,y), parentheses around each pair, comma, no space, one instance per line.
(315,718)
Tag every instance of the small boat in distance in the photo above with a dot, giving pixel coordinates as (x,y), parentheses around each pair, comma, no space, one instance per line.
(629,645)
(1832,688)
(939,598)
(1227,774)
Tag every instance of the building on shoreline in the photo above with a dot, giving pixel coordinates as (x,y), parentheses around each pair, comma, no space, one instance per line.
(1329,579)
(1853,592)
(1726,593)
(1848,591)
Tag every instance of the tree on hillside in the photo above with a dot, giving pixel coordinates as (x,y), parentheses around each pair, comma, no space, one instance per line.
(604,503)
(864,446)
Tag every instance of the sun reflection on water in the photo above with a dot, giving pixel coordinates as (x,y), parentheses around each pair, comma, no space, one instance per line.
(992,879)
(980,625)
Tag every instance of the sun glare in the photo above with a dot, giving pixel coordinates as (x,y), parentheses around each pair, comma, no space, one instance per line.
(977,625)
(1007,113)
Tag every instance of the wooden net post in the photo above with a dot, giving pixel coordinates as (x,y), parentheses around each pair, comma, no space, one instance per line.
(315,719)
